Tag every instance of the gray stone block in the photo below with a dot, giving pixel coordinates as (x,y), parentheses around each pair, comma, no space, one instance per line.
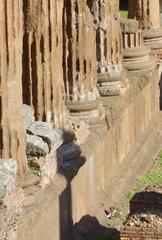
(8,169)
(53,137)
(36,146)
(28,116)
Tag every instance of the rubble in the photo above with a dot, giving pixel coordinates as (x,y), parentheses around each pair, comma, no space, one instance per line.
(51,136)
(8,170)
(36,146)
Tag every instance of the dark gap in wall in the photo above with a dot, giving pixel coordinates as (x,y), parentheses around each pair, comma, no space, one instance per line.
(26,70)
(90,5)
(68,7)
(78,65)
(105,45)
(124,5)
(50,31)
(77,20)
(85,66)
(98,45)
(42,48)
(34,75)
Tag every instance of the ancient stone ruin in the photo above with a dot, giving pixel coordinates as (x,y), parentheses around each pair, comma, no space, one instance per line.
(80,94)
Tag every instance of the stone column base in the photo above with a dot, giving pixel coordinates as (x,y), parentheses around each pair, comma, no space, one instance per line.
(138,59)
(91,111)
(112,86)
(153,38)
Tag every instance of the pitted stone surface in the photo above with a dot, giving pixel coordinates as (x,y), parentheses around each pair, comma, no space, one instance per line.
(36,146)
(52,136)
(8,170)
(28,116)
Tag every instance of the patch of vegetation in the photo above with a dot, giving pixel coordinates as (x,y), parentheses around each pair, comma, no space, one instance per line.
(111,235)
(124,14)
(152,177)
(35,168)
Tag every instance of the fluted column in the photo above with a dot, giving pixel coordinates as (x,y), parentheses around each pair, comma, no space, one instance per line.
(136,56)
(109,47)
(79,60)
(12,133)
(43,87)
(147,12)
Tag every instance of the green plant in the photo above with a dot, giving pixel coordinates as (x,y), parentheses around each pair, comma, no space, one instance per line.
(124,14)
(35,168)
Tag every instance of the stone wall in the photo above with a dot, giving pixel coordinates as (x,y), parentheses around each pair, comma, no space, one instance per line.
(64,59)
(105,151)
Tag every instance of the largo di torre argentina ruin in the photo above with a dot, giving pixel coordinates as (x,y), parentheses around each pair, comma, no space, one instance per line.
(80,113)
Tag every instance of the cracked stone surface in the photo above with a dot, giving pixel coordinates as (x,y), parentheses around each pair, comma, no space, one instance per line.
(36,146)
(45,130)
(8,170)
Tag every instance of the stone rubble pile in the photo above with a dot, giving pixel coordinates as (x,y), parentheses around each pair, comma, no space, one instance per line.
(147,219)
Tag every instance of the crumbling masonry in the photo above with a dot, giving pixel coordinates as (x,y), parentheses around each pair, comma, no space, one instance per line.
(78,94)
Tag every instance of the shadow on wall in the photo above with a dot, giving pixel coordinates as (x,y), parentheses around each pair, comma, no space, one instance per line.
(88,228)
(70,154)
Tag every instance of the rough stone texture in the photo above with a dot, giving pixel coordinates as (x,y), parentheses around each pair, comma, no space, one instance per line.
(8,169)
(146,11)
(46,132)
(43,86)
(36,146)
(28,116)
(12,134)
(106,150)
(52,53)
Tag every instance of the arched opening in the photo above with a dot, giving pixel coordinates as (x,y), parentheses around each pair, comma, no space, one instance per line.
(124,8)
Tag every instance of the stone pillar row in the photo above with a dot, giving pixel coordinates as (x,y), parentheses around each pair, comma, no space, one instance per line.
(58,57)
(137,57)
(147,12)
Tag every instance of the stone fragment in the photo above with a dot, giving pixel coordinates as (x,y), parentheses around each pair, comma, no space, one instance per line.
(8,170)
(28,116)
(36,146)
(68,152)
(53,137)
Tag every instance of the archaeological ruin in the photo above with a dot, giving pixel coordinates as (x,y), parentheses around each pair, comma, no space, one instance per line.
(80,111)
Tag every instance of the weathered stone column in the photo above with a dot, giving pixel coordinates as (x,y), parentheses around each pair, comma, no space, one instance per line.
(12,133)
(147,12)
(136,56)
(43,87)
(79,61)
(109,54)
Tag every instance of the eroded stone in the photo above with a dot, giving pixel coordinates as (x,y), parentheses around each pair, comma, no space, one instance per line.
(28,116)
(36,146)
(8,170)
(53,137)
